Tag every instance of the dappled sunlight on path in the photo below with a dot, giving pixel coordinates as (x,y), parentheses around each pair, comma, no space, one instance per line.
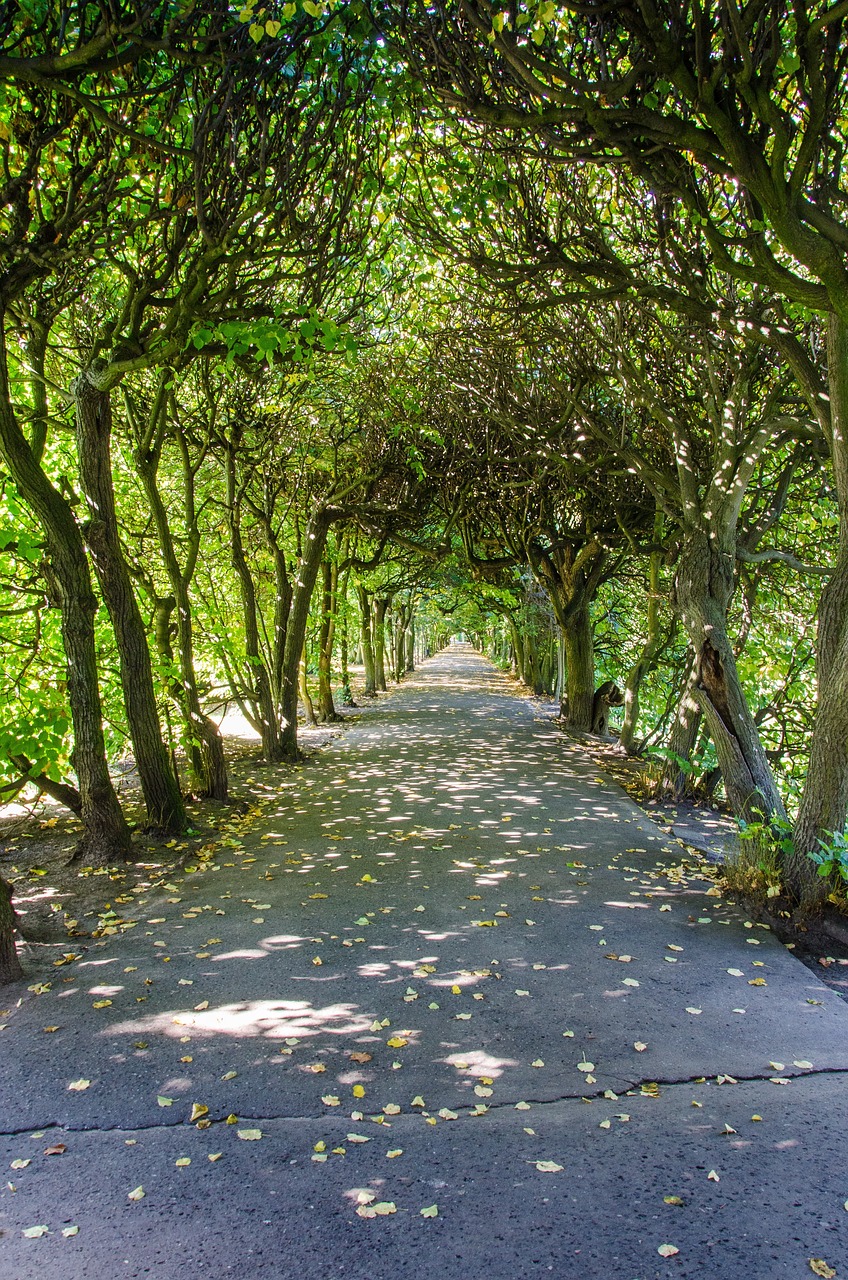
(447,923)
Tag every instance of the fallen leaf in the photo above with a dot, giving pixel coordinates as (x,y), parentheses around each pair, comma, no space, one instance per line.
(249,1135)
(58,1149)
(396,1042)
(548,1166)
(213,1156)
(137,1194)
(101,1004)
(629,982)
(585,1066)
(672,1200)
(713,1176)
(70,1231)
(182,1162)
(432,1211)
(77,1086)
(330,1100)
(357,1056)
(32,1233)
(667,1250)
(198,1110)
(690,1009)
(19,1164)
(817,1265)
(394,1153)
(164,1102)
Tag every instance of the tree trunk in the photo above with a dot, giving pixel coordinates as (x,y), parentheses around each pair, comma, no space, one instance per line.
(326,707)
(203,744)
(307,573)
(370,690)
(703,588)
(380,606)
(106,837)
(409,664)
(675,781)
(517,647)
(10,965)
(263,694)
(165,809)
(824,802)
(646,661)
(580,669)
(303,691)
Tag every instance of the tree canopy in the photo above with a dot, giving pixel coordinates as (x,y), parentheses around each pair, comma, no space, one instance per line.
(331,329)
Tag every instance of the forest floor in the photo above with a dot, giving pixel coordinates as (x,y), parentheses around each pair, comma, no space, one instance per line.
(443,1002)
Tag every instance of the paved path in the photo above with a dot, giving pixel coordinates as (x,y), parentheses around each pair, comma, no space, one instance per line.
(447,966)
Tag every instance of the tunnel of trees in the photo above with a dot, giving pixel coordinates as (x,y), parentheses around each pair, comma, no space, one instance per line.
(333,329)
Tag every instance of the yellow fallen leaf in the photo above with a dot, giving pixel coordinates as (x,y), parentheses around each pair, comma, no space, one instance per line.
(330,1100)
(358,1091)
(249,1135)
(137,1194)
(229,1075)
(548,1166)
(672,1200)
(432,1211)
(391,1109)
(417,1101)
(204,1004)
(19,1164)
(32,1233)
(757,982)
(667,1250)
(394,1153)
(70,1231)
(77,1086)
(213,1156)
(198,1109)
(101,1004)
(640,1046)
(820,1268)
(712,1176)
(182,1162)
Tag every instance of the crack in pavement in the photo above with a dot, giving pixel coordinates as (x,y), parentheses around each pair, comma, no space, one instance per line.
(460,1112)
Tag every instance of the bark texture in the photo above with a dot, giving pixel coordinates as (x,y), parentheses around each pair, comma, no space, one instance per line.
(162,798)
(10,965)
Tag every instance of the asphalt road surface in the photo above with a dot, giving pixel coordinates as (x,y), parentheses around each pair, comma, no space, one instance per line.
(449,1005)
